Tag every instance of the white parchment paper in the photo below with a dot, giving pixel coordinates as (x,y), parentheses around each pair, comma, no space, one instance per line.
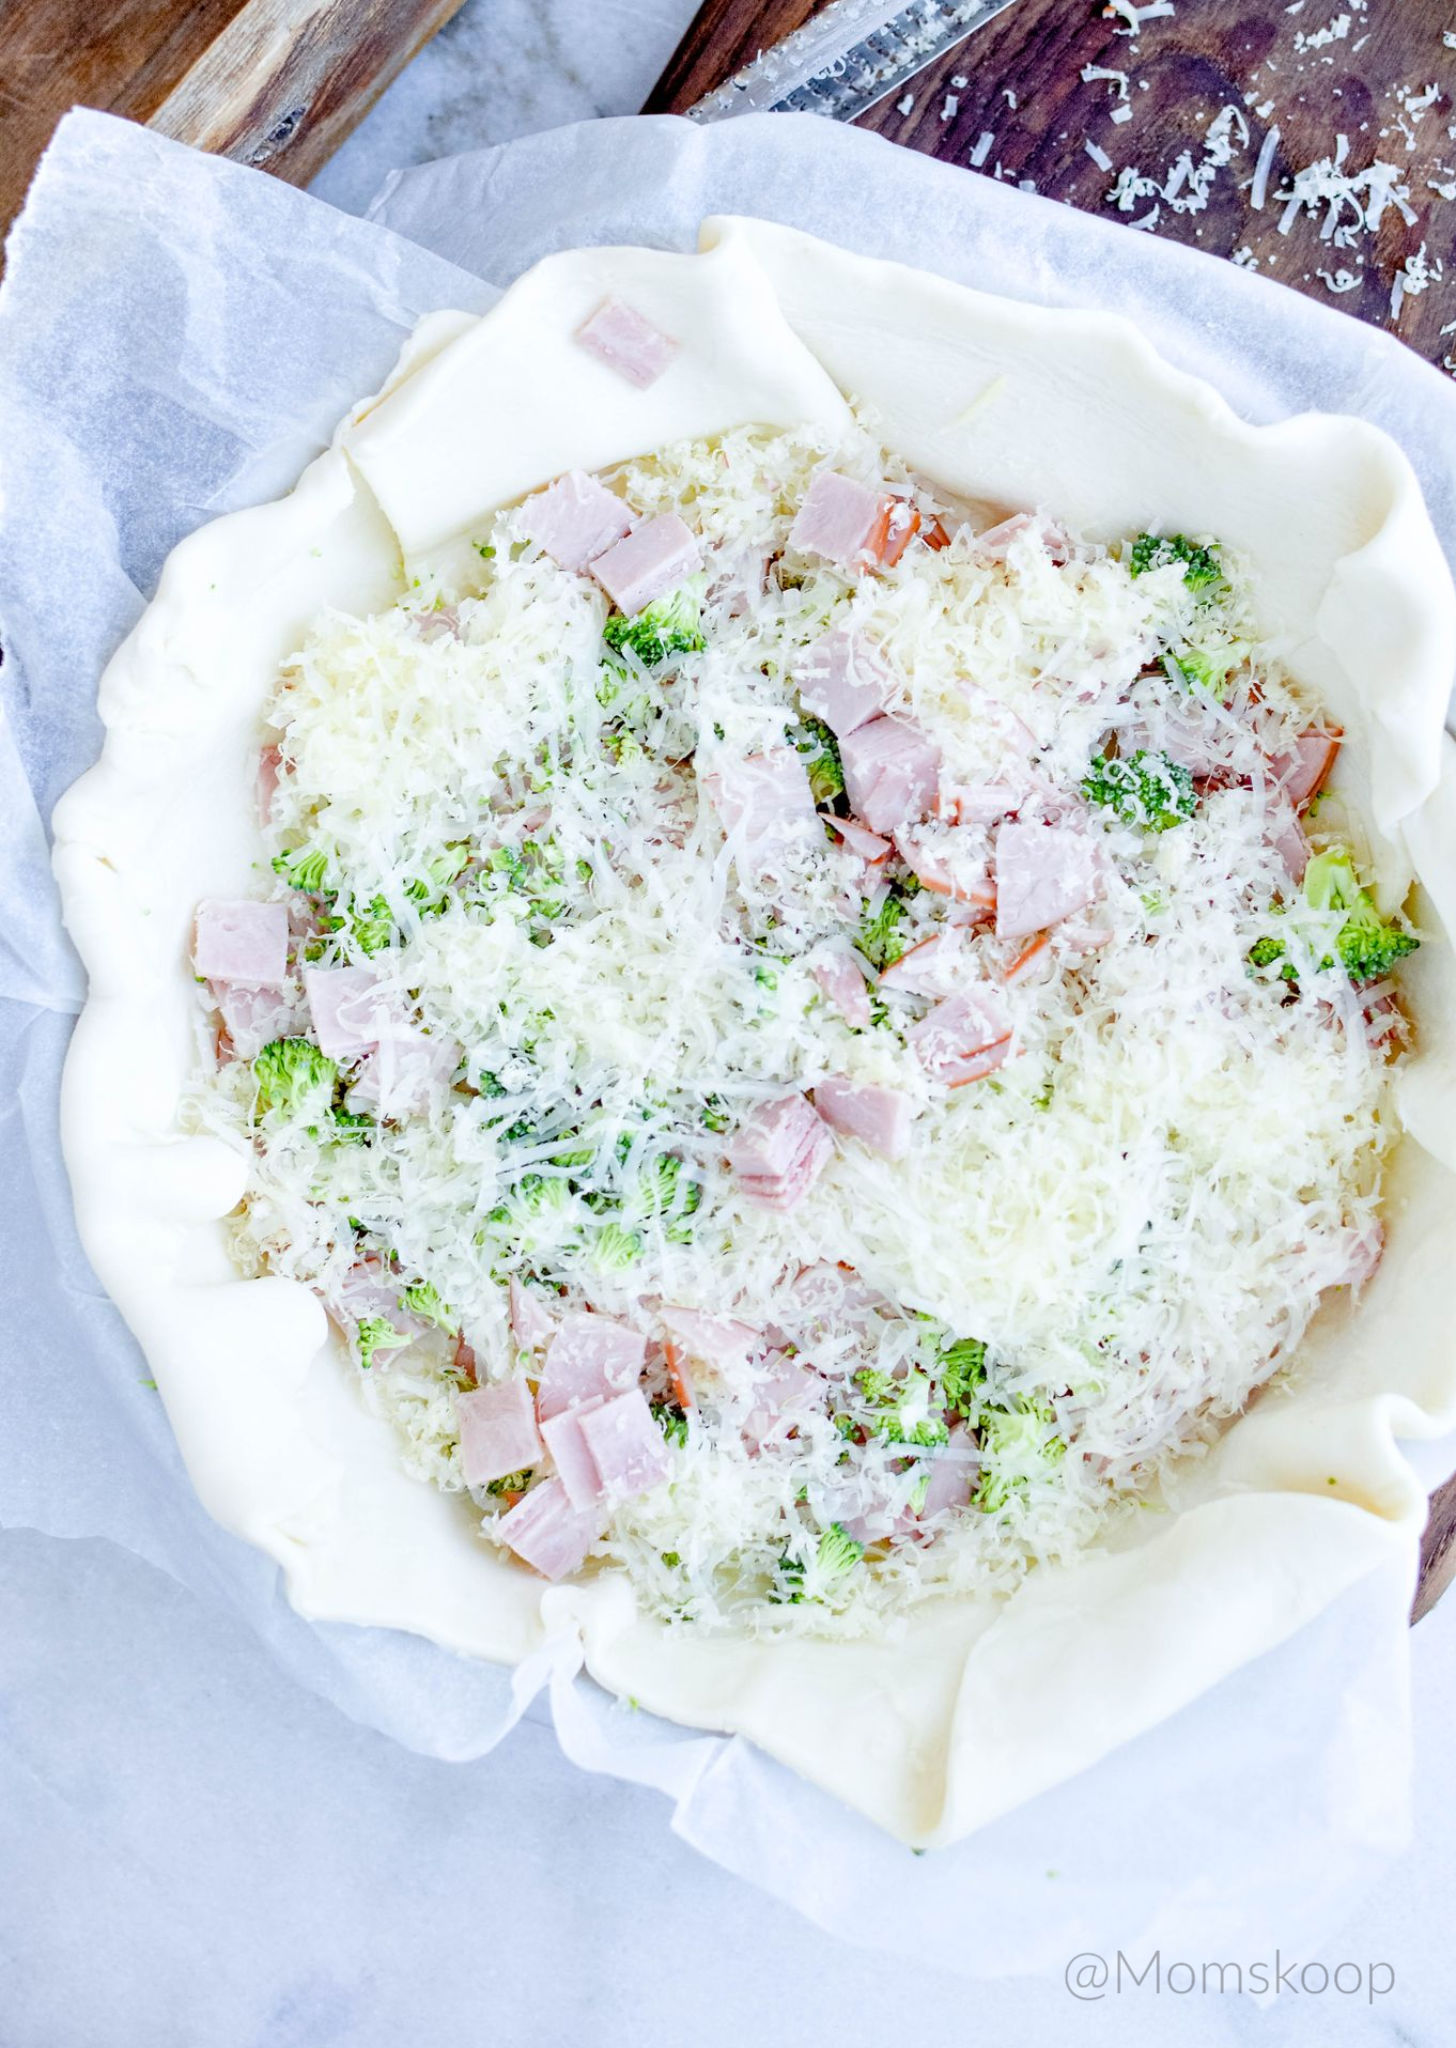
(177,337)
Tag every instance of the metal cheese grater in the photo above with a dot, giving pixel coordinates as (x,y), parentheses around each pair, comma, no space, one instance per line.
(853,54)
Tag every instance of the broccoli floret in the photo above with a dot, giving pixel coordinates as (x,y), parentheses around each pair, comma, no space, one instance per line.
(513,1482)
(899,1410)
(838,1553)
(663,1191)
(1146,789)
(1368,947)
(430,889)
(423,1300)
(1201,568)
(374,1334)
(1264,952)
(812,738)
(614,1248)
(350,1126)
(304,868)
(672,1421)
(1205,668)
(716,1114)
(962,1370)
(879,937)
(373,926)
(671,626)
(290,1073)
(1017,1448)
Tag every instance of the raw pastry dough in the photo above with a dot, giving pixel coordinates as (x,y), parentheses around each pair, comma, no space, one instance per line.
(981,1705)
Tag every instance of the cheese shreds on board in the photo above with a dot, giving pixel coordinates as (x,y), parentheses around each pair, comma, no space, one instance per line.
(581,919)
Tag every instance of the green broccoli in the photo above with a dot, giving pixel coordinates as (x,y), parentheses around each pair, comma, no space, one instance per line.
(1201,570)
(897,1411)
(812,738)
(374,1334)
(430,890)
(423,1300)
(1207,667)
(350,1126)
(662,1191)
(513,1482)
(1368,947)
(716,1115)
(961,1364)
(879,937)
(837,1554)
(1146,789)
(1017,1448)
(670,626)
(290,1073)
(304,868)
(614,1249)
(1264,952)
(672,1421)
(373,927)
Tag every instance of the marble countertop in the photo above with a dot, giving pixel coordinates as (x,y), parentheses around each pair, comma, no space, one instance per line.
(378,1899)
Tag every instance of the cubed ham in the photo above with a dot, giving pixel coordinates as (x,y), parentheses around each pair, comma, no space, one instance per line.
(836,520)
(949,861)
(270,765)
(498,1433)
(716,1341)
(1031,962)
(653,559)
(896,524)
(833,1296)
(350,1010)
(878,1117)
(870,847)
(930,968)
(953,1469)
(253,1017)
(737,578)
(842,980)
(626,1445)
(1285,834)
(532,1324)
(368,1293)
(1302,774)
(590,1358)
(843,679)
(627,343)
(402,1073)
(764,800)
(994,543)
(575,519)
(788,1389)
(979,803)
(571,1455)
(891,772)
(548,1533)
(1043,874)
(242,943)
(963,1038)
(779,1151)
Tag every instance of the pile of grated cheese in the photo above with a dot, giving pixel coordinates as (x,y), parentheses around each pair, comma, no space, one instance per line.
(1136,1216)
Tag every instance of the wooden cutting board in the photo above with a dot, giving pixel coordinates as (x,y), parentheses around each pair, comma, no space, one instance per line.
(1019,80)
(275,83)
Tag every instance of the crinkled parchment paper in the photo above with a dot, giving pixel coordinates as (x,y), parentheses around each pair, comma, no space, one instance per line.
(177,337)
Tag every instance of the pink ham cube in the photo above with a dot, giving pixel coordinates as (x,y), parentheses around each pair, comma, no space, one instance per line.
(403,1072)
(930,969)
(243,943)
(842,980)
(1285,834)
(717,1341)
(626,1445)
(953,1470)
(963,1038)
(789,1389)
(532,1324)
(1303,773)
(837,519)
(575,519)
(253,1017)
(653,559)
(548,1533)
(591,1358)
(878,1117)
(498,1433)
(764,800)
(843,680)
(627,343)
(1043,874)
(570,1454)
(859,839)
(350,1010)
(779,1152)
(891,773)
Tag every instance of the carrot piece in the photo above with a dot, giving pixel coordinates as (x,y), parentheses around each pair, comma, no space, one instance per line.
(672,1358)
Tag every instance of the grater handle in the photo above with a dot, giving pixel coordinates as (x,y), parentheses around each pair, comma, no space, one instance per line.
(722,37)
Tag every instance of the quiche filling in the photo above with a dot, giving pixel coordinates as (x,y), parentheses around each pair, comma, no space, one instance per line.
(813,1046)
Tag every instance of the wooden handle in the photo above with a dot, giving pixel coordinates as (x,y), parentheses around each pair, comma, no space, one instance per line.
(723,36)
(287,80)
